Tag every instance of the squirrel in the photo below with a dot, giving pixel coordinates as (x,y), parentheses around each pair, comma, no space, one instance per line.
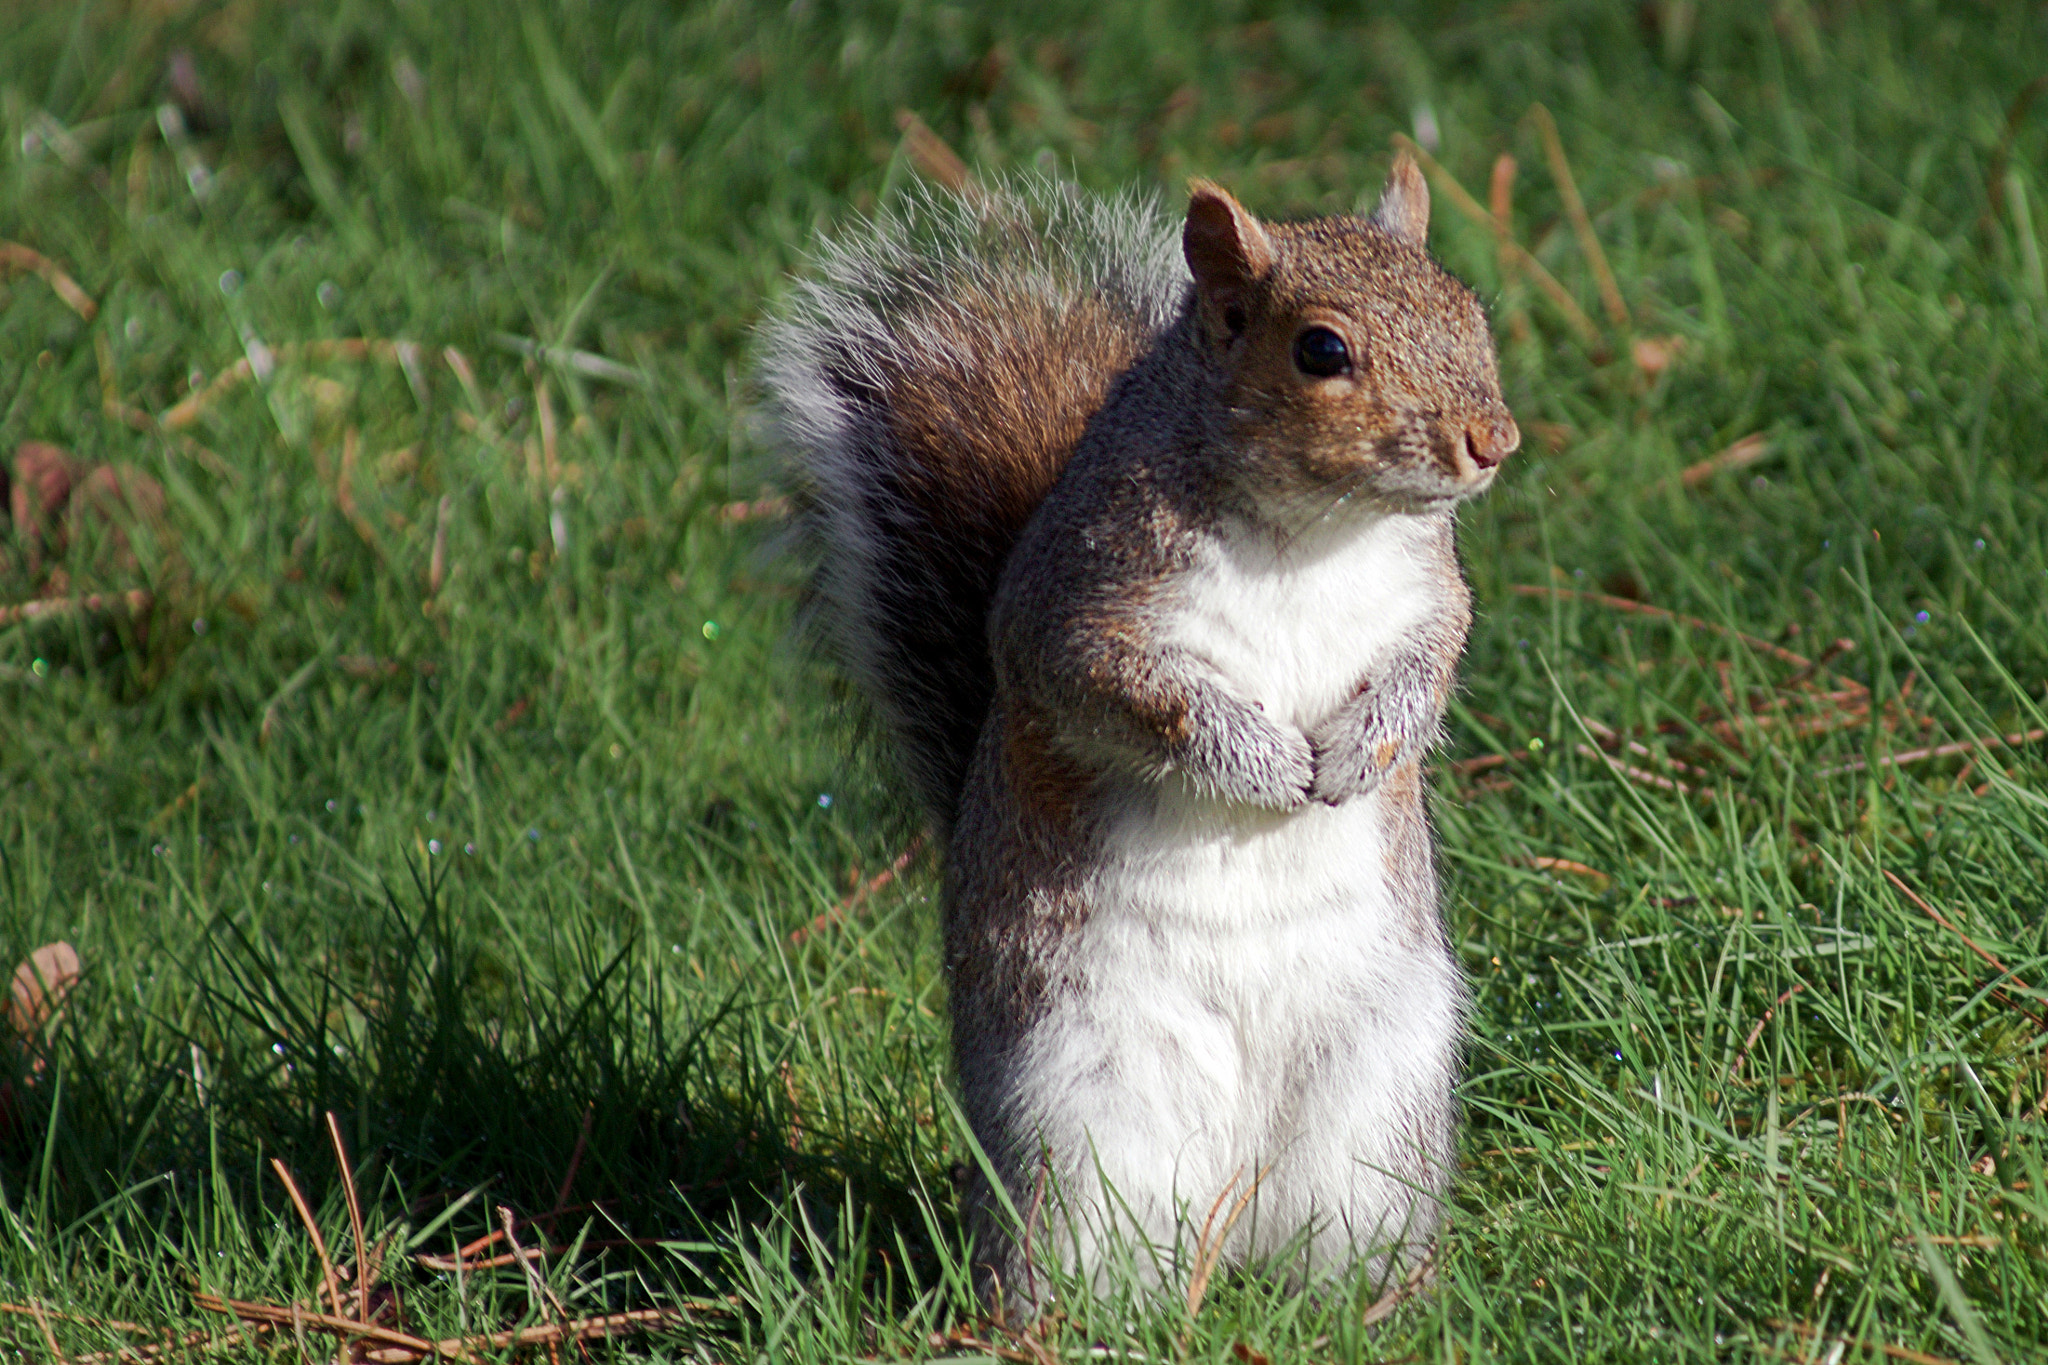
(1143,551)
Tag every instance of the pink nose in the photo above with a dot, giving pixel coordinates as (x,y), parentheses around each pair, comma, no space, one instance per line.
(1490,442)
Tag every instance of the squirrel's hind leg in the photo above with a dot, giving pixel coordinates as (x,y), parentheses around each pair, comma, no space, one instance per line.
(1130,1152)
(1361,1174)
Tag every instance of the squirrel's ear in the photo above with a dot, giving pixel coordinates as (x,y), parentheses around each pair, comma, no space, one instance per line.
(1404,203)
(1227,250)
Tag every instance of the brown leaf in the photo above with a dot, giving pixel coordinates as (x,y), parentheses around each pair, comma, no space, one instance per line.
(40,985)
(1654,355)
(43,479)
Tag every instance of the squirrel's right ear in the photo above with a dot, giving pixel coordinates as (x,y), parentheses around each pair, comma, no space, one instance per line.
(1404,204)
(1227,250)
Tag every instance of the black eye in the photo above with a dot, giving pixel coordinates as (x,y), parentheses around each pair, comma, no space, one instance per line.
(1321,352)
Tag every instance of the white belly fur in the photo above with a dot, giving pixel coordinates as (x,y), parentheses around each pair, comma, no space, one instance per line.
(1295,628)
(1250,993)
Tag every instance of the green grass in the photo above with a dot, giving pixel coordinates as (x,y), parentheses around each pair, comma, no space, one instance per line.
(465,865)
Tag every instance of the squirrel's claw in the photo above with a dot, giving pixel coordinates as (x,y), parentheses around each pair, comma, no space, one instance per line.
(1346,764)
(1337,782)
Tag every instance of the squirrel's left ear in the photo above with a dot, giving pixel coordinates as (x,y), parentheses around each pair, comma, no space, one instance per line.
(1404,203)
(1227,250)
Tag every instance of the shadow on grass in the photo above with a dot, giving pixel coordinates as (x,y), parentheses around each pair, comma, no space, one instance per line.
(595,1103)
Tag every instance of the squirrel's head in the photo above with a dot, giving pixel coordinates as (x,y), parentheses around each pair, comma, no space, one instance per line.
(1352,365)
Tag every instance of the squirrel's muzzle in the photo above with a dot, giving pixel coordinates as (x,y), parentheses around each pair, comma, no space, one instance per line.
(1489,442)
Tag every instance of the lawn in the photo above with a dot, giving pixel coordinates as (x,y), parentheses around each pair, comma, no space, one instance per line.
(401,720)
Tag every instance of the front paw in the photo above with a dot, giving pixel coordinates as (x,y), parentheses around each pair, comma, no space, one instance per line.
(1256,761)
(1345,767)
(1291,782)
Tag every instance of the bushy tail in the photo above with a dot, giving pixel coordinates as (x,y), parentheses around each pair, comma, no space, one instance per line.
(930,380)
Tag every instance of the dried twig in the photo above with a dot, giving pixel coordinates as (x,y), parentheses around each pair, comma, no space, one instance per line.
(344,491)
(965,1339)
(1858,1343)
(1567,865)
(1031,1223)
(1758,1032)
(33,1309)
(407,353)
(16,257)
(1642,750)
(1510,250)
(1701,186)
(1417,1280)
(1836,648)
(1582,1146)
(580,1329)
(110,379)
(575,1162)
(465,375)
(1841,1103)
(130,1355)
(242,1334)
(2011,741)
(415,1348)
(794,1137)
(761,509)
(1739,455)
(934,160)
(544,411)
(1979,1240)
(472,1263)
(402,1348)
(875,883)
(490,1239)
(135,601)
(1500,203)
(536,1283)
(1635,608)
(437,562)
(138,420)
(355,1217)
(1208,1247)
(1849,710)
(1582,226)
(1642,775)
(313,1230)
(1974,947)
(187,411)
(49,1337)
(178,805)
(1994,172)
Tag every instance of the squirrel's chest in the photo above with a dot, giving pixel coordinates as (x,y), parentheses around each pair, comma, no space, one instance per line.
(1297,628)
